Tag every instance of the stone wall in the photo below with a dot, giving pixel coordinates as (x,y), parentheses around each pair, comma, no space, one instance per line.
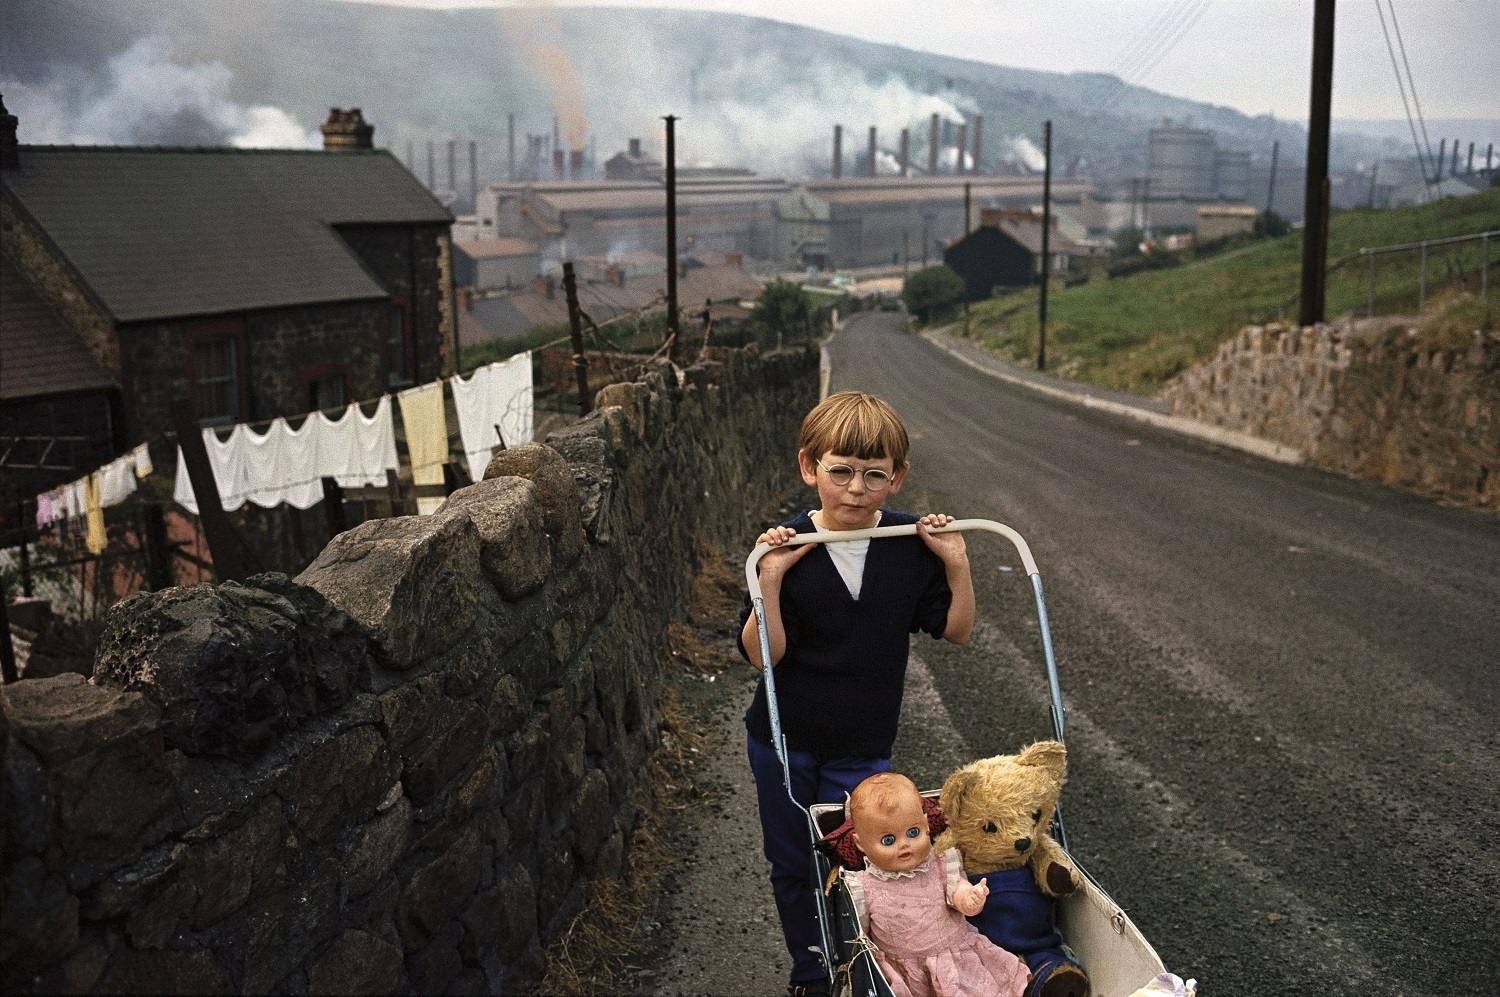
(400,771)
(1368,398)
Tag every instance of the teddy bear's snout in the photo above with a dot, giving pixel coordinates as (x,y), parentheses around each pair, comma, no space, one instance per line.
(1022,844)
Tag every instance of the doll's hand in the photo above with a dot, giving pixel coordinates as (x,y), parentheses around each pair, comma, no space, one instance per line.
(968,898)
(776,563)
(949,547)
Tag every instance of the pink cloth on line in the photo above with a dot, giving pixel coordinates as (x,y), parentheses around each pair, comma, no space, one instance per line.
(925,947)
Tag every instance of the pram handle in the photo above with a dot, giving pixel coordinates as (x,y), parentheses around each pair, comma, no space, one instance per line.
(752,579)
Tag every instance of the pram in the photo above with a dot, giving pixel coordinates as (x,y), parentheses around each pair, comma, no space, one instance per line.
(1110,948)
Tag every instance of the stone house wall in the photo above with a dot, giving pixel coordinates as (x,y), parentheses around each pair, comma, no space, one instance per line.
(399,772)
(414,261)
(1366,398)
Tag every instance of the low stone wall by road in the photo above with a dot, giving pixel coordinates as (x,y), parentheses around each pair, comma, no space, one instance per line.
(1366,398)
(398,772)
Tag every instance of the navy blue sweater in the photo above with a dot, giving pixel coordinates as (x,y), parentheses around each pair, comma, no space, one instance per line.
(839,685)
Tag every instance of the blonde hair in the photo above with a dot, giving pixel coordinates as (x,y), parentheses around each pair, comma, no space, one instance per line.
(855,424)
(881,793)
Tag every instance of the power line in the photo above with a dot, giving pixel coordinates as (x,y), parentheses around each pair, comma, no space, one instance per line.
(1401,86)
(1411,81)
(1148,38)
(1182,30)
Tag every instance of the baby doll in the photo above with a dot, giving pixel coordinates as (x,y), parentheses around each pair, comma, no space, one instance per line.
(912,903)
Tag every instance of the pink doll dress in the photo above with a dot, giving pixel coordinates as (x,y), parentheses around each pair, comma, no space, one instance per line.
(924,946)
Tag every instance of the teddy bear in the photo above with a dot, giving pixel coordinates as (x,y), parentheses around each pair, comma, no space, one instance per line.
(998,811)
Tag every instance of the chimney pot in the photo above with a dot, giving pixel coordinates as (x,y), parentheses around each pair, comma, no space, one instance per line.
(346,130)
(635,148)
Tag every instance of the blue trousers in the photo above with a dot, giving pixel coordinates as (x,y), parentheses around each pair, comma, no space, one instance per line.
(788,842)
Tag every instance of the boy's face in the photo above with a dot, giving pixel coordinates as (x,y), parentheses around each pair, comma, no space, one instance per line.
(852,506)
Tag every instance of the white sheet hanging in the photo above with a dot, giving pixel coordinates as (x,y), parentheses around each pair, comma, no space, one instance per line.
(116,481)
(227,460)
(355,450)
(497,394)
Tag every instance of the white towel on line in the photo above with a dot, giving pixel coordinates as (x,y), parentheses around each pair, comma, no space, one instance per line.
(497,394)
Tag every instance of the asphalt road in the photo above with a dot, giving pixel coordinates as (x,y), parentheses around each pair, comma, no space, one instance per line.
(1281,691)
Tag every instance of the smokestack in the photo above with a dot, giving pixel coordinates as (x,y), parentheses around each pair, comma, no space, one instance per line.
(431,166)
(932,151)
(558,165)
(905,149)
(473,175)
(635,148)
(510,135)
(556,135)
(960,147)
(346,130)
(452,172)
(838,151)
(411,158)
(575,165)
(870,156)
(978,143)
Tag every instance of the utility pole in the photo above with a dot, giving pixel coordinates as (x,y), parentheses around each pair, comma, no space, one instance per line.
(510,138)
(1271,190)
(575,337)
(671,120)
(1041,341)
(1315,197)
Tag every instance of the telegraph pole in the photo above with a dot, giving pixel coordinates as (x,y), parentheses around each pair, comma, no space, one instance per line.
(1041,340)
(673,349)
(1315,199)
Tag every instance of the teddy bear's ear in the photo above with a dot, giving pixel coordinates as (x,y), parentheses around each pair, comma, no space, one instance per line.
(1049,755)
(955,789)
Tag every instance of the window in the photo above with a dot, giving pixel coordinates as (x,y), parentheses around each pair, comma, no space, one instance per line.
(327,391)
(216,379)
(398,345)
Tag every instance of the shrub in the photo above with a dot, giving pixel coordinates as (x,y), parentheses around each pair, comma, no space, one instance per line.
(932,289)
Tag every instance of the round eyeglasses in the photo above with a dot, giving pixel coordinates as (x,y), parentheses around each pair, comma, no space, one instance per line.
(876,480)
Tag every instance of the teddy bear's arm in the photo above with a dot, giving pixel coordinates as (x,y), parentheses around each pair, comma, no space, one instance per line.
(1053,869)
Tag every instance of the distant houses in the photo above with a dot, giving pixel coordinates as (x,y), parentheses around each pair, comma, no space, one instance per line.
(1005,251)
(253,283)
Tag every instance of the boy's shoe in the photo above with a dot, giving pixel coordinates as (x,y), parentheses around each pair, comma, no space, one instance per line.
(811,988)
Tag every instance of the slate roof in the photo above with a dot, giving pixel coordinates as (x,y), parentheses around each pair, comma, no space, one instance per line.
(39,356)
(160,233)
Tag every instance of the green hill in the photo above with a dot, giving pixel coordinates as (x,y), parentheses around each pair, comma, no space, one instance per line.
(1135,332)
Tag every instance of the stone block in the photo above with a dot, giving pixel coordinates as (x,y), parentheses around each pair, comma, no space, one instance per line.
(514,547)
(469,983)
(436,963)
(481,921)
(340,781)
(286,927)
(557,870)
(234,667)
(194,971)
(609,863)
(413,708)
(229,867)
(507,712)
(427,774)
(153,925)
(357,963)
(556,489)
(528,750)
(84,967)
(28,806)
(517,913)
(378,848)
(440,889)
(593,817)
(397,576)
(38,918)
(477,788)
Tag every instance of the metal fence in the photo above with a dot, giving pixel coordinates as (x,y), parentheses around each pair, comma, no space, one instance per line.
(1461,260)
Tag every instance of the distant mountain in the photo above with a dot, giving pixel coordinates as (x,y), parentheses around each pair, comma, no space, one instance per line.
(750,91)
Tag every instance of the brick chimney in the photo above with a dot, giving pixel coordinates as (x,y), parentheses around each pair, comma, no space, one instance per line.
(635,148)
(10,153)
(346,130)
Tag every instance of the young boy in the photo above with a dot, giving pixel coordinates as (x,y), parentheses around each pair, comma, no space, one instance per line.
(840,618)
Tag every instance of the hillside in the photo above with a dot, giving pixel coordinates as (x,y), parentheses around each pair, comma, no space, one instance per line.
(751,91)
(1135,332)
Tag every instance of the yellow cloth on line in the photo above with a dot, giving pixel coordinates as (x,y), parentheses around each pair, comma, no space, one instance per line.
(426,438)
(96,539)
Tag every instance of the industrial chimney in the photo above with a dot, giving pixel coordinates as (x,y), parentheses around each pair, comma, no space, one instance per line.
(10,151)
(346,130)
(635,148)
(978,142)
(838,151)
(960,147)
(559,165)
(575,164)
(870,156)
(932,149)
(905,150)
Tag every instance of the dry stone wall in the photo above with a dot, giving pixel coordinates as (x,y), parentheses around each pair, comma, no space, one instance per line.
(399,771)
(1366,398)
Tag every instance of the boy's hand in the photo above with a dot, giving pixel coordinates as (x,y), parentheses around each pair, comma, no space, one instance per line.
(947,546)
(776,563)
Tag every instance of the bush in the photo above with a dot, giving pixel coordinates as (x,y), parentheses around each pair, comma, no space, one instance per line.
(932,289)
(782,310)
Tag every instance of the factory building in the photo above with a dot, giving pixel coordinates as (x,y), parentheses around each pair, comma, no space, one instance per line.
(1186,162)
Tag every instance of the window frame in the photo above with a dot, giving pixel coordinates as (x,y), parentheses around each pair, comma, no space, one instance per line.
(202,334)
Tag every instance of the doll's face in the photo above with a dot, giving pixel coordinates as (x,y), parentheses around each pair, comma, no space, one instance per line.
(894,838)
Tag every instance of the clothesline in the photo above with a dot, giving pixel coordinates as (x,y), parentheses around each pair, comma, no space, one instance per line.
(90,495)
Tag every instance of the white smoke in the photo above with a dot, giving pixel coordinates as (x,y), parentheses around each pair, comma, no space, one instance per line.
(148,99)
(1021,151)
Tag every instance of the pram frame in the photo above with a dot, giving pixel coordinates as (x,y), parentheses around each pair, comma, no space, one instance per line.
(1090,901)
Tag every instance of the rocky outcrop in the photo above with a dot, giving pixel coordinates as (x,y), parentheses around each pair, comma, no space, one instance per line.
(399,771)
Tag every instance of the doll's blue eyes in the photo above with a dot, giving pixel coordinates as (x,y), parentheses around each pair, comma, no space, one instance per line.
(888,840)
(913,832)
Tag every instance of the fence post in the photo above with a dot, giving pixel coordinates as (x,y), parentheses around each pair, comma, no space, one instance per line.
(158,554)
(1370,295)
(7,650)
(333,507)
(25,554)
(216,527)
(1484,270)
(1422,289)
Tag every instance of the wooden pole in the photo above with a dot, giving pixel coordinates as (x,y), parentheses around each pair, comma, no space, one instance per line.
(1041,342)
(7,650)
(575,330)
(25,553)
(333,507)
(1315,197)
(216,527)
(671,120)
(158,553)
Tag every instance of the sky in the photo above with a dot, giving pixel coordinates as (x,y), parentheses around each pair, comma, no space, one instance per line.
(1252,55)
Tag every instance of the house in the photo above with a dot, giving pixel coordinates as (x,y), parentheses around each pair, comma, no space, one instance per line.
(484,264)
(1005,251)
(255,283)
(1223,221)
